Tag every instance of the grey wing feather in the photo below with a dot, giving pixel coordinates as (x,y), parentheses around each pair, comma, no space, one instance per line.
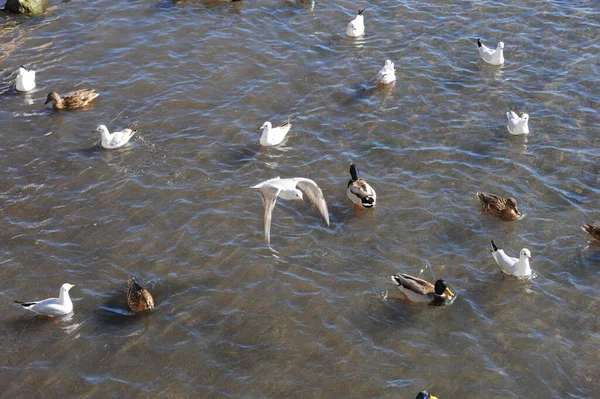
(414,284)
(315,195)
(269,196)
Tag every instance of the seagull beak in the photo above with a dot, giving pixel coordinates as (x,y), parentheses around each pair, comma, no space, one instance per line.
(530,258)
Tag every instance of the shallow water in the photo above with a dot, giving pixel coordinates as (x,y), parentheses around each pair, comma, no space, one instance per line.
(321,319)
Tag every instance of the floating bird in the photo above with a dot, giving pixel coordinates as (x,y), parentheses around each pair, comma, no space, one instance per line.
(425,395)
(356,27)
(494,57)
(138,298)
(52,307)
(516,125)
(25,79)
(504,208)
(359,191)
(115,140)
(417,290)
(72,100)
(274,135)
(513,266)
(387,74)
(592,230)
(288,189)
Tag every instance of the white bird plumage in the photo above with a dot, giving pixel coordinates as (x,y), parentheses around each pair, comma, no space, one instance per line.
(512,266)
(387,74)
(25,79)
(494,57)
(288,189)
(115,140)
(52,307)
(274,135)
(356,27)
(517,125)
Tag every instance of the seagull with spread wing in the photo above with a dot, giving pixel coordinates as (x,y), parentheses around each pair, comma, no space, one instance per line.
(289,189)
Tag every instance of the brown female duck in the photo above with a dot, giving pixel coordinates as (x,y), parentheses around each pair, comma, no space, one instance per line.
(594,231)
(73,100)
(138,298)
(504,208)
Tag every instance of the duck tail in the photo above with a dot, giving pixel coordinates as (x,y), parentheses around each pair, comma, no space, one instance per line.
(368,202)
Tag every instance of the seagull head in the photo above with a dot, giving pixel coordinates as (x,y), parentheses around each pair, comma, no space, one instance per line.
(525,254)
(388,63)
(66,287)
(525,117)
(297,194)
(266,125)
(501,45)
(101,129)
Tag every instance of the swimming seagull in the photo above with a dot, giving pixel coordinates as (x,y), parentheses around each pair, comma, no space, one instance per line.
(387,74)
(513,266)
(516,125)
(288,189)
(52,307)
(356,27)
(25,79)
(274,135)
(494,57)
(115,140)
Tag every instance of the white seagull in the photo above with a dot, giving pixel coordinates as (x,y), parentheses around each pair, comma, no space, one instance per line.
(288,189)
(513,266)
(494,57)
(25,79)
(387,74)
(52,307)
(516,125)
(356,27)
(274,135)
(114,140)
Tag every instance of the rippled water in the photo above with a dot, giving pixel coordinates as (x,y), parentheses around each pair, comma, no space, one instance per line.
(322,319)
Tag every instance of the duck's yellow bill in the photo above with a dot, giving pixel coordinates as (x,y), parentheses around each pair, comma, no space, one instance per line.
(448,292)
(432,397)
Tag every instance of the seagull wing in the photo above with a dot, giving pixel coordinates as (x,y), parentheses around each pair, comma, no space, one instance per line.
(269,196)
(315,195)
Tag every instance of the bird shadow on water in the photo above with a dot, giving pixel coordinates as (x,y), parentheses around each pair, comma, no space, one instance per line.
(115,312)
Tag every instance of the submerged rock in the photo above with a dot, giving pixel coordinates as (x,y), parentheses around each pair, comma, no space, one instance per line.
(26,7)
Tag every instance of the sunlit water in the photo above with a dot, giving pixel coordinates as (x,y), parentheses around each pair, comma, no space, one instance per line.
(321,319)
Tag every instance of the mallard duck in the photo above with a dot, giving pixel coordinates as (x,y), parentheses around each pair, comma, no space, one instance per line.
(274,135)
(494,57)
(356,27)
(592,230)
(138,298)
(504,208)
(115,140)
(72,100)
(512,266)
(52,307)
(359,191)
(417,290)
(425,395)
(25,79)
